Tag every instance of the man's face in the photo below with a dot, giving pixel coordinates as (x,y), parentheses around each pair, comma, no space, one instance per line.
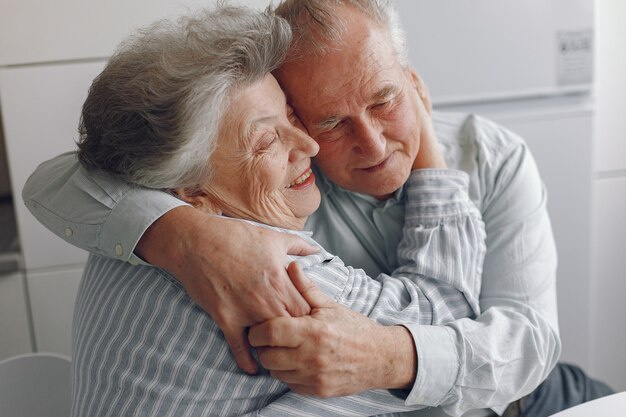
(361,106)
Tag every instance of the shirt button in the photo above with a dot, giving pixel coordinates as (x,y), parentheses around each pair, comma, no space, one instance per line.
(119,250)
(69,232)
(133,262)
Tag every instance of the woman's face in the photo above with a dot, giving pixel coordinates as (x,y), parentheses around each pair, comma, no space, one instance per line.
(262,162)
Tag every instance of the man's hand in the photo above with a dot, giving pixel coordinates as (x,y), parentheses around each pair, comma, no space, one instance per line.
(233,270)
(333,351)
(429,154)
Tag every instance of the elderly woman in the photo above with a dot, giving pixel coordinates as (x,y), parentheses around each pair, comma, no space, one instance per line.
(191,107)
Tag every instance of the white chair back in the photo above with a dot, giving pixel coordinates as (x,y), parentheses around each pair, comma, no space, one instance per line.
(35,385)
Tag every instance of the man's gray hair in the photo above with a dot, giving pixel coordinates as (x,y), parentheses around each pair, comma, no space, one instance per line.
(152,116)
(316,26)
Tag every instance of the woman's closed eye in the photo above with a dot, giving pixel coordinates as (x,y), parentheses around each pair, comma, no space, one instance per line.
(265,142)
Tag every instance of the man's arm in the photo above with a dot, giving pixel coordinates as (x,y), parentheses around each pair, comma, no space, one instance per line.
(512,346)
(218,261)
(509,349)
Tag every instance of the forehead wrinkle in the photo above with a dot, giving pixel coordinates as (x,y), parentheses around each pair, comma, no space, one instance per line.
(251,128)
(385,92)
(389,88)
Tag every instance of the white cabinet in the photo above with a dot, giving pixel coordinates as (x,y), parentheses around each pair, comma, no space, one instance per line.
(14,328)
(60,30)
(476,50)
(609,282)
(40,110)
(610,146)
(52,298)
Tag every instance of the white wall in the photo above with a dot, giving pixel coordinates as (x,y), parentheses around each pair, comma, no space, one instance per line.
(608,341)
(37,31)
(5,187)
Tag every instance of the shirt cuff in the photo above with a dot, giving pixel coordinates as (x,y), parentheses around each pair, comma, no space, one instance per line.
(437,364)
(130,218)
(437,193)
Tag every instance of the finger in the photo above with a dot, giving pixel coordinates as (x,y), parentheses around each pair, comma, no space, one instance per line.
(313,296)
(298,388)
(293,301)
(290,377)
(297,246)
(425,95)
(240,348)
(279,332)
(422,91)
(278,358)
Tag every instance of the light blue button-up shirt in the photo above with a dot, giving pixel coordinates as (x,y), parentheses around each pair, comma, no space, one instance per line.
(467,364)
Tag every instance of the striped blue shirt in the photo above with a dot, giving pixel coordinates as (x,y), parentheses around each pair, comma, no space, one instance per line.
(142,347)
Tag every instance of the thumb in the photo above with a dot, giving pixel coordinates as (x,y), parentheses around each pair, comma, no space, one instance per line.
(297,246)
(240,348)
(307,288)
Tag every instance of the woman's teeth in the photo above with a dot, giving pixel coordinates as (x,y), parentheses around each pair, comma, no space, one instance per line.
(301,178)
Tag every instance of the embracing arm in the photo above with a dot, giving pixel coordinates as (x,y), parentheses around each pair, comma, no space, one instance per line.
(509,349)
(444,238)
(214,258)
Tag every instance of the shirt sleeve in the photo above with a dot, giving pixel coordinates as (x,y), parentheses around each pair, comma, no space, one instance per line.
(443,237)
(92,210)
(511,347)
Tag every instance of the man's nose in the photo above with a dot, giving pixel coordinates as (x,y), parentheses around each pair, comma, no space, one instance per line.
(369,140)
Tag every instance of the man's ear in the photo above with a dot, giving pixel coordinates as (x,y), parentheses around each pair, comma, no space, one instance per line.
(422,90)
(197,196)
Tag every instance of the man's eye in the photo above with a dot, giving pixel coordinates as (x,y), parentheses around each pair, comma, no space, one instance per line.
(338,125)
(381,106)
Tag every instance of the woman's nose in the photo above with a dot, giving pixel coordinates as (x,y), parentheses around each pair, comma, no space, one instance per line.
(303,145)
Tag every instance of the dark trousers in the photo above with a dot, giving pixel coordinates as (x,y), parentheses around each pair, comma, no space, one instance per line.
(566,386)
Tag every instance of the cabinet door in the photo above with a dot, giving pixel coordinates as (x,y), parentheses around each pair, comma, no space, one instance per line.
(33,31)
(52,299)
(608,282)
(40,110)
(14,329)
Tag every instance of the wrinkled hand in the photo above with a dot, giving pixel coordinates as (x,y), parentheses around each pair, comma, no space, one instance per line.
(429,155)
(333,351)
(233,270)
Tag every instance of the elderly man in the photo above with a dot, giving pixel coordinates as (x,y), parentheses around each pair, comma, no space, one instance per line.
(348,80)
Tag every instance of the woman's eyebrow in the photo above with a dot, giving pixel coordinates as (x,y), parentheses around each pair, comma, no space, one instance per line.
(256,124)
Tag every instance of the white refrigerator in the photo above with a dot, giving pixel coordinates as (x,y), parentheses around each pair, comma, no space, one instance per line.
(529,66)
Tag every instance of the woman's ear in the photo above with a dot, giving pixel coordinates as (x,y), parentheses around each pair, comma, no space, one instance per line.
(422,90)
(198,197)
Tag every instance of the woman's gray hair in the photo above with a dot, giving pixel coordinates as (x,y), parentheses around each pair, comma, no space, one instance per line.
(316,26)
(152,116)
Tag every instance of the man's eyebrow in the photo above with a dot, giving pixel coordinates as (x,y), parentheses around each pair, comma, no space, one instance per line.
(385,93)
(327,123)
